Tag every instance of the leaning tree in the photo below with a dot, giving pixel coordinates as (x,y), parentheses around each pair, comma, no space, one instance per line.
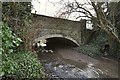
(103,14)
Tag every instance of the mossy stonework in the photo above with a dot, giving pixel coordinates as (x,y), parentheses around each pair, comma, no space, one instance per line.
(46,27)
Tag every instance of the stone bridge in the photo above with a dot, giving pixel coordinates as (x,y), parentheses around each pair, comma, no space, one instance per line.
(57,30)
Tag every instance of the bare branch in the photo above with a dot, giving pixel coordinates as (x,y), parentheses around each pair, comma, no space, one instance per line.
(78,6)
(101,19)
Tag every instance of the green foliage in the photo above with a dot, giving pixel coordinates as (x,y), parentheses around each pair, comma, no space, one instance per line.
(9,39)
(118,20)
(8,43)
(101,39)
(16,13)
(93,47)
(19,17)
(22,65)
(89,49)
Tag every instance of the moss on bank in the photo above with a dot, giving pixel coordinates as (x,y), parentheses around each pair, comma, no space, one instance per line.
(93,48)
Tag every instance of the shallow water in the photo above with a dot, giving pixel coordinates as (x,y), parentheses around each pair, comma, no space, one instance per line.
(68,63)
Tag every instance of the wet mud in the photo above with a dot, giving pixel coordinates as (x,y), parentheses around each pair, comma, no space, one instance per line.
(68,63)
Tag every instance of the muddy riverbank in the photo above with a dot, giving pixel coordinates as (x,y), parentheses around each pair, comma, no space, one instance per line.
(68,63)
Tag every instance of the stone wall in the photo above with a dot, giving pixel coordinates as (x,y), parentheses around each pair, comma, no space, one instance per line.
(44,25)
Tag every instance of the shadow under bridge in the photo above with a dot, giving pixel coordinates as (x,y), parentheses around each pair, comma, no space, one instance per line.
(58,41)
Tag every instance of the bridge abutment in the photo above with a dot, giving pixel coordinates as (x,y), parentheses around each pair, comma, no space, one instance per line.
(47,28)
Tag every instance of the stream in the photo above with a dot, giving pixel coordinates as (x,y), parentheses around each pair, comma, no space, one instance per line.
(68,63)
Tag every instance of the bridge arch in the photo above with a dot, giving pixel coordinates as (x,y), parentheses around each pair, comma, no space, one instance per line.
(58,39)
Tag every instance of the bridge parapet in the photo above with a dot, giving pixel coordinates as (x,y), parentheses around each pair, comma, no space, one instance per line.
(45,25)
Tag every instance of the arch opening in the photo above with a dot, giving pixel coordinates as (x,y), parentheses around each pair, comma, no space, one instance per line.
(60,42)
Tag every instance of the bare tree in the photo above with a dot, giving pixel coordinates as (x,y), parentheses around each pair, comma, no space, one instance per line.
(103,14)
